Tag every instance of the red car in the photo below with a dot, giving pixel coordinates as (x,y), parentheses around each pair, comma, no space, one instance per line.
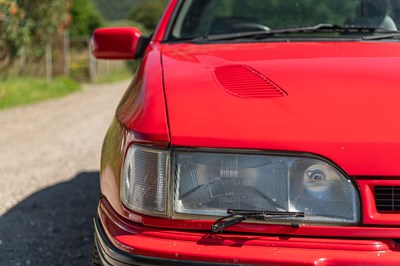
(255,132)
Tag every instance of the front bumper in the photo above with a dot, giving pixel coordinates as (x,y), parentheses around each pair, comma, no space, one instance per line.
(110,255)
(121,242)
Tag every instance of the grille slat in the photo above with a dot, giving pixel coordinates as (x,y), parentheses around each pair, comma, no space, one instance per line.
(387,199)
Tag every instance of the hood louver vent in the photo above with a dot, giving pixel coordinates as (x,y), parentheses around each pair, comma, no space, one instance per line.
(245,82)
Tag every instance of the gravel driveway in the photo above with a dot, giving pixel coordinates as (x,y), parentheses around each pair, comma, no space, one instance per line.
(49,163)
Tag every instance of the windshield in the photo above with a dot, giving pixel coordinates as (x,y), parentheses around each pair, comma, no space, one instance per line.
(202,18)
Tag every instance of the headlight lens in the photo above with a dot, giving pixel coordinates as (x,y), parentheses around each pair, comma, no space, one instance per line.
(210,183)
(144,180)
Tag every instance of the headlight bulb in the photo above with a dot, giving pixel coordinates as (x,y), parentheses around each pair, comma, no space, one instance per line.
(317,178)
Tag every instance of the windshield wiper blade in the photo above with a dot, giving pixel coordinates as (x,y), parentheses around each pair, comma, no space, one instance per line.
(392,35)
(324,28)
(237,216)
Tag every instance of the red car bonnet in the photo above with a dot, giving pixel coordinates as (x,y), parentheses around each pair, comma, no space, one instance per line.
(338,100)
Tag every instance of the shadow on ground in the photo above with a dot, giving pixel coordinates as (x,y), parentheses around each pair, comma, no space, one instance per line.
(53,226)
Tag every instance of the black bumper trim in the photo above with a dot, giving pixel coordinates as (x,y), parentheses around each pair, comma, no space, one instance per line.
(110,255)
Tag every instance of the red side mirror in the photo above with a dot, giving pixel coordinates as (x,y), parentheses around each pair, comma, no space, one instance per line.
(115,43)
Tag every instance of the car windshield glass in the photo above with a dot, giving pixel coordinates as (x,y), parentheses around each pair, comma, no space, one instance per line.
(203,18)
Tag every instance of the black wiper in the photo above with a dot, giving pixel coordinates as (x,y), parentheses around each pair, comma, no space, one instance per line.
(323,28)
(237,216)
(393,35)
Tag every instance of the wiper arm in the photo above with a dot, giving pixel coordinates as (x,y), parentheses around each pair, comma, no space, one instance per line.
(237,216)
(324,28)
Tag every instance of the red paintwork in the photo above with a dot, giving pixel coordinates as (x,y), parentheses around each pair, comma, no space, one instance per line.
(370,215)
(341,104)
(163,24)
(271,229)
(243,248)
(342,101)
(142,110)
(115,43)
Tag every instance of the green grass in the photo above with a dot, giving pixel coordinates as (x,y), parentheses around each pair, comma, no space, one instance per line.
(115,76)
(19,91)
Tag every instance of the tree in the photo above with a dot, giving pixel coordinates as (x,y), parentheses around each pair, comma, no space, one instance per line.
(28,22)
(14,30)
(6,9)
(116,10)
(149,13)
(85,18)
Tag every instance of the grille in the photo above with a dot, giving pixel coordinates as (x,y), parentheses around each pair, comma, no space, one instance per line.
(387,199)
(244,81)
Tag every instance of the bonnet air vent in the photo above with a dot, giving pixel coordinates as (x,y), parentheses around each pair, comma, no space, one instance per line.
(245,82)
(387,199)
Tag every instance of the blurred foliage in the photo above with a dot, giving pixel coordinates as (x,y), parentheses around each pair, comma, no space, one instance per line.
(148,13)
(26,22)
(14,27)
(28,26)
(143,14)
(116,10)
(32,23)
(124,23)
(127,23)
(133,65)
(85,18)
(79,69)
(115,76)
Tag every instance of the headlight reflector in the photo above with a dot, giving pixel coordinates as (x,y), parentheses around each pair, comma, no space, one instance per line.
(210,183)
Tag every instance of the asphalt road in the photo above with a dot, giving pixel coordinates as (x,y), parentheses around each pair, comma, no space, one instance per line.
(49,168)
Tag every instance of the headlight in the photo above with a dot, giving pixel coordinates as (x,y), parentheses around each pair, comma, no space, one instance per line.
(210,183)
(144,180)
